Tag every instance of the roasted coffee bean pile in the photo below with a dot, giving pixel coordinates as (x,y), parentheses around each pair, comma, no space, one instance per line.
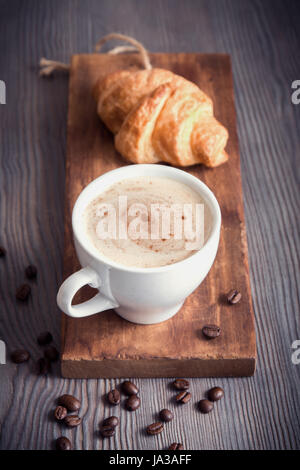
(67,404)
(212,331)
(24,290)
(43,364)
(132,402)
(50,353)
(205,406)
(213,395)
(108,427)
(184,395)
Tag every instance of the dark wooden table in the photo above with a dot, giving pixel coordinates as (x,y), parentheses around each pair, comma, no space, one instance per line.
(262,37)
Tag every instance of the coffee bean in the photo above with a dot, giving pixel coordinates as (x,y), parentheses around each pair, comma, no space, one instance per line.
(183,397)
(234,296)
(166,415)
(113,397)
(23,292)
(211,331)
(181,384)
(111,421)
(51,353)
(129,388)
(44,338)
(2,251)
(43,366)
(60,413)
(215,393)
(107,431)
(63,443)
(132,403)
(155,428)
(19,356)
(176,446)
(72,421)
(31,272)
(205,406)
(69,402)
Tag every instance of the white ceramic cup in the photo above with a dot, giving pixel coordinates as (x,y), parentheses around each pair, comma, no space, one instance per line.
(140,295)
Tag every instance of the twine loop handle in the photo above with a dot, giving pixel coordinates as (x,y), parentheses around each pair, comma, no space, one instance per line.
(47,67)
(136,46)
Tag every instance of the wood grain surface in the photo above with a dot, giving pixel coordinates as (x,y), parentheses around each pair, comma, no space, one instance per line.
(262,37)
(106,345)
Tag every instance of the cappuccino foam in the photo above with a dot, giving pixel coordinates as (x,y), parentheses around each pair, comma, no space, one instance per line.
(144,251)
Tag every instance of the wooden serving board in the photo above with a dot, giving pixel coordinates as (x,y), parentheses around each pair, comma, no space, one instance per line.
(105,345)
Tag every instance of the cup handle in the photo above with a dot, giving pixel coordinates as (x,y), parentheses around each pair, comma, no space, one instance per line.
(72,284)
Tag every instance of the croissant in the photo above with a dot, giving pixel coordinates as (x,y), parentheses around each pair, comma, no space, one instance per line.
(157,116)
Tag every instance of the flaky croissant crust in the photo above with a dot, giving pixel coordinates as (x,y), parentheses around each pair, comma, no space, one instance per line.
(157,115)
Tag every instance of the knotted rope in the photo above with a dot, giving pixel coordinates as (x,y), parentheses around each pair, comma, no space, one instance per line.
(48,67)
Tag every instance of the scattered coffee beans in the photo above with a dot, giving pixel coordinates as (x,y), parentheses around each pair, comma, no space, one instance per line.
(2,251)
(44,338)
(43,366)
(113,397)
(51,354)
(211,331)
(181,384)
(23,292)
(215,393)
(60,413)
(234,296)
(19,356)
(69,402)
(31,272)
(129,388)
(63,443)
(155,428)
(166,415)
(72,421)
(205,406)
(111,421)
(176,446)
(183,397)
(132,403)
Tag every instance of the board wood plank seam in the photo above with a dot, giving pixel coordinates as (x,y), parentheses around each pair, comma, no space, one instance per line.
(104,345)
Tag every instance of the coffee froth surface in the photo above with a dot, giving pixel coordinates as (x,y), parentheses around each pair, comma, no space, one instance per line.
(144,247)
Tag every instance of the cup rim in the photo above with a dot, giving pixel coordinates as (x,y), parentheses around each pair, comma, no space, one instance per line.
(135,170)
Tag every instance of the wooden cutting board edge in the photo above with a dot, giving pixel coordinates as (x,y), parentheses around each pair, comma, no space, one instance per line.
(226,367)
